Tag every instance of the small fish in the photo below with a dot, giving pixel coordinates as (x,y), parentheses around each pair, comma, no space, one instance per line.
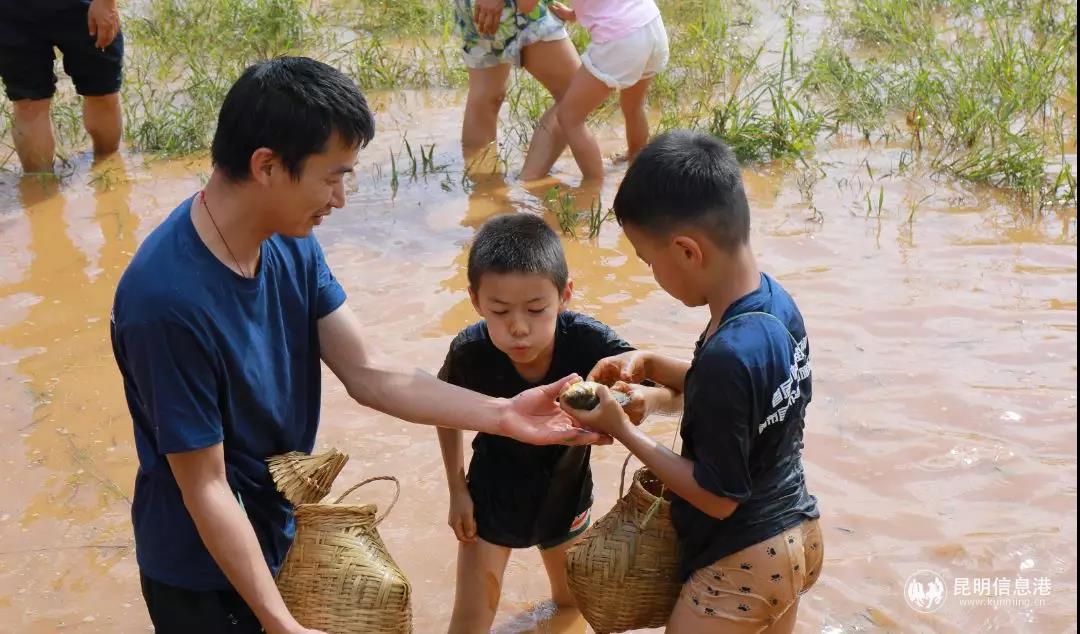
(582,395)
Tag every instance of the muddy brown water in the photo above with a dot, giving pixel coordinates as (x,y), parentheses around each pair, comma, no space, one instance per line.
(942,435)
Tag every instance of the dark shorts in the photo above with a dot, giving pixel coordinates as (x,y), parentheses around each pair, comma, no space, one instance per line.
(26,54)
(580,525)
(525,496)
(178,611)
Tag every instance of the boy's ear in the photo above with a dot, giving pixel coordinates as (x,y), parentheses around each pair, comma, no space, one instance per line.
(474,299)
(567,292)
(688,250)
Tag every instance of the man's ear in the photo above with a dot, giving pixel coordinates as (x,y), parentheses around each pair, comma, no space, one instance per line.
(263,164)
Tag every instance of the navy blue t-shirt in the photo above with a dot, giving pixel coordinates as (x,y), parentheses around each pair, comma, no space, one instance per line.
(744,405)
(209,357)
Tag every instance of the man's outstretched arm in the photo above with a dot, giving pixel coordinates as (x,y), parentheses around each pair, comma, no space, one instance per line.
(418,397)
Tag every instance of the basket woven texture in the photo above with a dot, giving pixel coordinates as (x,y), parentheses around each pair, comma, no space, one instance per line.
(338,576)
(623,573)
(305,479)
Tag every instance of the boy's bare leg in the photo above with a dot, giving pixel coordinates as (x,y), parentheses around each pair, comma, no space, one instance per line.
(586,93)
(555,564)
(632,103)
(104,121)
(480,568)
(553,64)
(487,91)
(685,621)
(33,135)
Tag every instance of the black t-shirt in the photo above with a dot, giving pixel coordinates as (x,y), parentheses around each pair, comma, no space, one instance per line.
(745,400)
(525,495)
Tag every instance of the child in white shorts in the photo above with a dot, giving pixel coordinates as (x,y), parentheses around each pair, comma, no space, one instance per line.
(629,47)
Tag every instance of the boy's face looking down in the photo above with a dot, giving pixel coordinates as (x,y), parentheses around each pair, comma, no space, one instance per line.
(521,310)
(679,261)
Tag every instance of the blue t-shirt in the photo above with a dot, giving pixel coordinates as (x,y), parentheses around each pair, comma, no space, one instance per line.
(209,357)
(744,405)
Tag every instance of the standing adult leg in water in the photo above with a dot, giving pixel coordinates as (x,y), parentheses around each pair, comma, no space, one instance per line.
(496,35)
(88,34)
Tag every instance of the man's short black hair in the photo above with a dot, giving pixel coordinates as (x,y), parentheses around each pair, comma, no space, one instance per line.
(517,243)
(682,179)
(290,105)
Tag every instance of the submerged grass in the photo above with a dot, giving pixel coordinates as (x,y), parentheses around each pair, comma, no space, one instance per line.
(564,206)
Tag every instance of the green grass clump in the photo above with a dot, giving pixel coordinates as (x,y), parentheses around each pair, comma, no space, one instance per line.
(563,205)
(858,95)
(174,84)
(392,18)
(979,82)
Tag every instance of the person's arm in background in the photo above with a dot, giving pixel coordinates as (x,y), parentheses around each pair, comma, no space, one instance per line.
(526,6)
(487,14)
(563,12)
(103,22)
(228,535)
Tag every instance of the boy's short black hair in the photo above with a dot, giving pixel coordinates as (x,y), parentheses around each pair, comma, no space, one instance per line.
(517,243)
(686,178)
(290,105)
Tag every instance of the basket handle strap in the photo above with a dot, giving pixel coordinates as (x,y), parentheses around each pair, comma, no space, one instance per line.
(663,487)
(390,507)
(622,479)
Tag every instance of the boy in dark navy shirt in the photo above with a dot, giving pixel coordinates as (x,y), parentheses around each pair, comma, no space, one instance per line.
(518,495)
(747,526)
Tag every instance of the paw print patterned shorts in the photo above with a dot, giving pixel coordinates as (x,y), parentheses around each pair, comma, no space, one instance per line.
(758,584)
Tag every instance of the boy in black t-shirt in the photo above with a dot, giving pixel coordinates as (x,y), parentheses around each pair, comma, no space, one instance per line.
(749,540)
(518,495)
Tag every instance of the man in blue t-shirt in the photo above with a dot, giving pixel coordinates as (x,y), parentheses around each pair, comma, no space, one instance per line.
(218,327)
(749,540)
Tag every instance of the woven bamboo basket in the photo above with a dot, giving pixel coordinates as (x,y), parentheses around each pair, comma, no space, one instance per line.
(624,572)
(303,478)
(338,576)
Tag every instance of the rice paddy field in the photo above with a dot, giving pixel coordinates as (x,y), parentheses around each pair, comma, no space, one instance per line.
(911,166)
